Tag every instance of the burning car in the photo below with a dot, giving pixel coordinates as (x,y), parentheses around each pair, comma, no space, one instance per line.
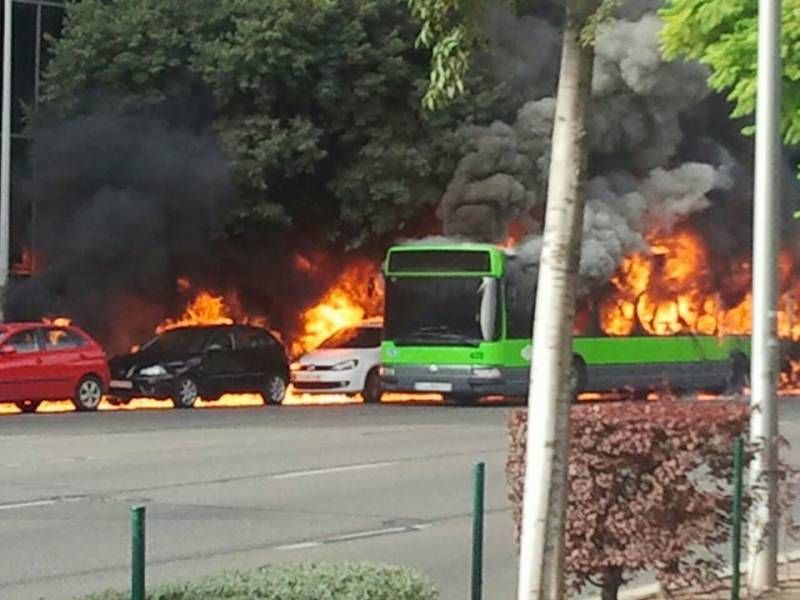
(50,362)
(348,362)
(187,363)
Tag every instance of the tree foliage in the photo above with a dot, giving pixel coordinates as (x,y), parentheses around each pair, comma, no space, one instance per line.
(723,34)
(316,101)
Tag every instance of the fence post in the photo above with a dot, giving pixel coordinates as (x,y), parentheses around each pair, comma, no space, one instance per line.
(736,540)
(137,552)
(477,532)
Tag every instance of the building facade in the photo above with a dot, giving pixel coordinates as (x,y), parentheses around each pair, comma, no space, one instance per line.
(35,23)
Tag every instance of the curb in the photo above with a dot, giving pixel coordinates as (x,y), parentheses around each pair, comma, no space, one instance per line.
(651,590)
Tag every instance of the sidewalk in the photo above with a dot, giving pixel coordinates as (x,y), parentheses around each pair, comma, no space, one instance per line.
(788,588)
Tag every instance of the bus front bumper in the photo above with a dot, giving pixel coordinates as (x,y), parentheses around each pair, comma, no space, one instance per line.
(458,380)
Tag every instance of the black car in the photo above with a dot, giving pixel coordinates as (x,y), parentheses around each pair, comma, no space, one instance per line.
(188,363)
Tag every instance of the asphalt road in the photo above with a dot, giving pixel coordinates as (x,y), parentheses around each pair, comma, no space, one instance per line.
(231,488)
(244,487)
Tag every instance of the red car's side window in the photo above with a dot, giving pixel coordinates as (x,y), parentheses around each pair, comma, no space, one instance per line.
(23,342)
(62,339)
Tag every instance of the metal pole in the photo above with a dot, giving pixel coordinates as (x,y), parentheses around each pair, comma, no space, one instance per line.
(5,151)
(477,531)
(137,552)
(736,536)
(763,541)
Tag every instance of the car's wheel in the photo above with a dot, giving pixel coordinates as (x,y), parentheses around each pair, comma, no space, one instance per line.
(185,394)
(739,374)
(88,394)
(275,390)
(28,406)
(577,377)
(373,390)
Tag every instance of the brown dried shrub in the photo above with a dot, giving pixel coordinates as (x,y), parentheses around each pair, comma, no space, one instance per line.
(649,489)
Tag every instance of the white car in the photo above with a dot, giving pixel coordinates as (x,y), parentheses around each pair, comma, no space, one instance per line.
(348,362)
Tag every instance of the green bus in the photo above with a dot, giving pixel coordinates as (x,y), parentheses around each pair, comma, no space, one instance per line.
(455,323)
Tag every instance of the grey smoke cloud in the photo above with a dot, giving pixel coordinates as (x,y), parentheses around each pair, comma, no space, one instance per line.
(620,210)
(501,175)
(637,98)
(648,169)
(523,51)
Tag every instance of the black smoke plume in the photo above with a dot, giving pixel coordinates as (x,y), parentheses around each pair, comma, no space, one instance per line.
(122,205)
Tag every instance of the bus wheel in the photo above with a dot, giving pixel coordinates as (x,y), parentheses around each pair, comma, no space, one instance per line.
(462,399)
(577,377)
(739,374)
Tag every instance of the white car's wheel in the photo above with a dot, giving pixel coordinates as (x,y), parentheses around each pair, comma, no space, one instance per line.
(373,389)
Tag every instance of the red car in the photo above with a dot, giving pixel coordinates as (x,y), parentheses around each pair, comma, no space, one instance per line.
(49,362)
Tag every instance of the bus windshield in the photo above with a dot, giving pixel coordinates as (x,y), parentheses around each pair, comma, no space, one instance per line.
(442,311)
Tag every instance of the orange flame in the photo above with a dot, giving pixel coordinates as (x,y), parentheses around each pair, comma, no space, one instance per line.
(26,264)
(208,308)
(204,309)
(672,290)
(355,296)
(57,321)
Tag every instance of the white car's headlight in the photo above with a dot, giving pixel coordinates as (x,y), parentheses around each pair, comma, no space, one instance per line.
(153,371)
(345,365)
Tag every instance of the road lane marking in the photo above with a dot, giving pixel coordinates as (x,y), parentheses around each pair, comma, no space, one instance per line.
(368,534)
(300,546)
(352,537)
(329,470)
(30,504)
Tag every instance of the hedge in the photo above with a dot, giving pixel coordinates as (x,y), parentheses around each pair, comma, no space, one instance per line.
(359,581)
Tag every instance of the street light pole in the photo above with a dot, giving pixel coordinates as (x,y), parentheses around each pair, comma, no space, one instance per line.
(5,159)
(763,535)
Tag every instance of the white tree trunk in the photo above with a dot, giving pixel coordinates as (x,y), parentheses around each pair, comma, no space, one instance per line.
(544,504)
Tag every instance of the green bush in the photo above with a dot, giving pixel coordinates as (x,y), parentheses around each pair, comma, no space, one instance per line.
(297,582)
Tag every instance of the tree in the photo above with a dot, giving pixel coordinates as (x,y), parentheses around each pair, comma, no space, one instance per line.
(451,30)
(316,102)
(723,35)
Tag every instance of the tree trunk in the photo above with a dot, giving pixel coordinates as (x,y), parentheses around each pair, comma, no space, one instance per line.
(550,396)
(612,580)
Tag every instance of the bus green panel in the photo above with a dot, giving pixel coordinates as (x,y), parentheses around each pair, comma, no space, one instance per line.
(639,350)
(666,349)
(594,351)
